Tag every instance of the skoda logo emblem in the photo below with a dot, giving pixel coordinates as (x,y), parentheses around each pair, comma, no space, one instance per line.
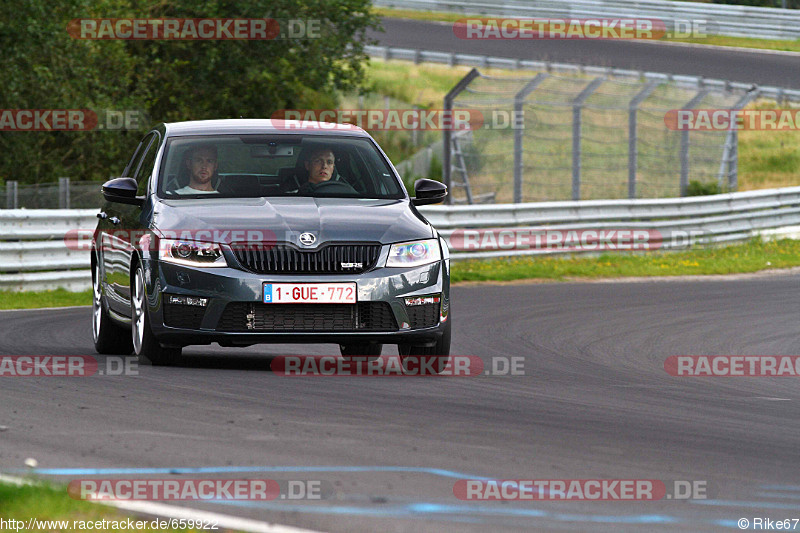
(307,239)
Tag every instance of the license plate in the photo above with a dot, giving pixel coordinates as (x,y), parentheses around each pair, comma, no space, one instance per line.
(317,293)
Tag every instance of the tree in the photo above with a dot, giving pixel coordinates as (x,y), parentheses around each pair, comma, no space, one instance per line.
(43,67)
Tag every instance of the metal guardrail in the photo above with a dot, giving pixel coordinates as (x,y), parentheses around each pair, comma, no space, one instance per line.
(704,219)
(33,251)
(470,60)
(732,20)
(34,254)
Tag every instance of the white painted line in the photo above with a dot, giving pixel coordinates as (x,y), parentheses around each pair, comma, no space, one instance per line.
(163,510)
(45,308)
(18,481)
(772,399)
(223,521)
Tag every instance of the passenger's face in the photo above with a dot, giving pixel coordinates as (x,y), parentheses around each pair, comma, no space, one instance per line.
(202,166)
(320,167)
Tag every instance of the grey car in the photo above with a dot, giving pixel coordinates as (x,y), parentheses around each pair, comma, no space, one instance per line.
(244,231)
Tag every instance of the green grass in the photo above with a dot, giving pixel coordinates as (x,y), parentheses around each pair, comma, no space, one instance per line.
(713,40)
(423,85)
(35,300)
(752,256)
(46,502)
(749,257)
(767,159)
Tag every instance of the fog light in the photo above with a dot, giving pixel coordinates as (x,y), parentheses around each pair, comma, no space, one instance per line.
(187,300)
(422,300)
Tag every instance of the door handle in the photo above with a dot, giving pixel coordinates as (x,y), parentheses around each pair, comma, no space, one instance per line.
(102,215)
(114,220)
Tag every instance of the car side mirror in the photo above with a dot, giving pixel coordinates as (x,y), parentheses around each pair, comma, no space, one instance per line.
(429,192)
(122,191)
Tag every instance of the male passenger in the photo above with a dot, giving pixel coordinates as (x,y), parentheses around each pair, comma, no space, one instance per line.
(320,166)
(202,164)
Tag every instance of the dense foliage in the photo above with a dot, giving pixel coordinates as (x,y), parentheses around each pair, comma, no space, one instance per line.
(43,67)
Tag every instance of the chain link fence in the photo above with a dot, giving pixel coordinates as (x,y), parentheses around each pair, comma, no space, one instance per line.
(63,194)
(557,136)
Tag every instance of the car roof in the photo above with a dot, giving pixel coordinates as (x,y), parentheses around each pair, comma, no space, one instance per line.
(260,126)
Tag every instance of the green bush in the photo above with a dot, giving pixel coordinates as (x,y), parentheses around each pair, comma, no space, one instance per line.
(697,188)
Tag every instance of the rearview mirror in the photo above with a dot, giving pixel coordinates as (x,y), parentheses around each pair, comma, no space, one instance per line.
(122,191)
(429,192)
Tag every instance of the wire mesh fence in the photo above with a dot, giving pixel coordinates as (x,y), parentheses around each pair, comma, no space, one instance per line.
(574,137)
(63,194)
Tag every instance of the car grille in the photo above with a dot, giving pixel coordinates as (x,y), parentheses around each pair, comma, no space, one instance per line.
(183,316)
(286,259)
(363,316)
(423,316)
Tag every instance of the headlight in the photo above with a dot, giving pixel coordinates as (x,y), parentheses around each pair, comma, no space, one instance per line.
(191,253)
(409,254)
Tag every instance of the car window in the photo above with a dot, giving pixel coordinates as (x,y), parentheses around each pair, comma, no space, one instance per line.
(145,169)
(250,166)
(133,164)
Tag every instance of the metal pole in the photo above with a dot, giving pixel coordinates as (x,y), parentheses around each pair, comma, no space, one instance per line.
(12,196)
(63,193)
(733,164)
(447,133)
(684,153)
(726,157)
(577,103)
(633,149)
(415,132)
(519,125)
(731,143)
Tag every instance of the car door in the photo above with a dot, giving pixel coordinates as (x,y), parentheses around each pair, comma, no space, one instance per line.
(124,221)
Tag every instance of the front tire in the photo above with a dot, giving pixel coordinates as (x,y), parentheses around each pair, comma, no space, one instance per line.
(145,344)
(417,359)
(108,337)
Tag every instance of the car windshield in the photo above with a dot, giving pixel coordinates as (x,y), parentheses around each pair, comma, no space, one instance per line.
(253,166)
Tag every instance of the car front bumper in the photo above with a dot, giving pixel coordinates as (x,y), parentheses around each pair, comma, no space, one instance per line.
(223,286)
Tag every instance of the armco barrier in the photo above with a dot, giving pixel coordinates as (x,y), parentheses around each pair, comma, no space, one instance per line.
(710,219)
(470,60)
(34,256)
(733,20)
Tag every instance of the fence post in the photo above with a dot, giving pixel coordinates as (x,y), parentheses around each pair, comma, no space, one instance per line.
(12,195)
(519,125)
(415,131)
(684,153)
(577,104)
(633,149)
(733,163)
(63,193)
(730,150)
(447,133)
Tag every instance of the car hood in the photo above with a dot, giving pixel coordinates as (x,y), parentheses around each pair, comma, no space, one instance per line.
(284,219)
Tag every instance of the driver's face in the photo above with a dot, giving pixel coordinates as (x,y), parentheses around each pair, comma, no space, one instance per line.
(320,167)
(202,166)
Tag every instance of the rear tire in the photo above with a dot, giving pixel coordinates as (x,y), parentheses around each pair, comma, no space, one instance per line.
(436,357)
(145,344)
(108,337)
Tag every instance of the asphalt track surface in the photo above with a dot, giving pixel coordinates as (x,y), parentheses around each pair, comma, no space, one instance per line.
(762,68)
(594,402)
